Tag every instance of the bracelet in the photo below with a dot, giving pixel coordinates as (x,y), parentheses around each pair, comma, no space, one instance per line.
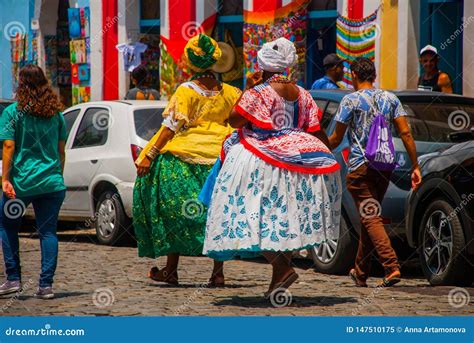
(152,153)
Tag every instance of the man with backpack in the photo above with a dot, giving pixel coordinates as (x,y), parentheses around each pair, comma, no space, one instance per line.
(141,91)
(369,114)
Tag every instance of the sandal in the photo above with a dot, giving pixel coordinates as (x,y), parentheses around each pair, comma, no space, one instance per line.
(163,276)
(216,282)
(290,279)
(357,280)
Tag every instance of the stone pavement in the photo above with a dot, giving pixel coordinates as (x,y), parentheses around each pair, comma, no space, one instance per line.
(99,280)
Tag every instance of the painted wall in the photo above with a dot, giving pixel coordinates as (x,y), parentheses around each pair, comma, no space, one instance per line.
(13,15)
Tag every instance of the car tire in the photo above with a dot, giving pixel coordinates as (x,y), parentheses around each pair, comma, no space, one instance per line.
(337,257)
(441,265)
(113,227)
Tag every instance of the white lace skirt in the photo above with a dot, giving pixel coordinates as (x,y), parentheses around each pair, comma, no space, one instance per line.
(257,207)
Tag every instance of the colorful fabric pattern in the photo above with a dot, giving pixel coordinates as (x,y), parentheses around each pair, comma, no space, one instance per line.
(258,207)
(279,131)
(167,216)
(355,38)
(265,22)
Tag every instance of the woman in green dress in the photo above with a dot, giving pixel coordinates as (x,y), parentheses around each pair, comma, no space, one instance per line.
(168,218)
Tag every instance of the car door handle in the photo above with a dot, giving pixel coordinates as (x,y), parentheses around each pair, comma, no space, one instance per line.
(94,161)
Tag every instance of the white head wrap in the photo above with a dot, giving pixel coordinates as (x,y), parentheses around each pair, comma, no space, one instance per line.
(277,55)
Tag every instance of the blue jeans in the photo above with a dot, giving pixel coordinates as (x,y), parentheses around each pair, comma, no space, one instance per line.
(46,207)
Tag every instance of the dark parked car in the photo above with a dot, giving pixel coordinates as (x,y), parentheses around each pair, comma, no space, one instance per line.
(440,215)
(428,114)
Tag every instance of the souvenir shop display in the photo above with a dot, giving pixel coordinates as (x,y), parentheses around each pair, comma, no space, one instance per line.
(289,22)
(74,19)
(83,72)
(85,21)
(51,59)
(79,53)
(355,38)
(131,54)
(75,74)
(24,50)
(63,55)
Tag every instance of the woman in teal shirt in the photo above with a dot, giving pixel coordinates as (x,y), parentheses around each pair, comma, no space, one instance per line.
(34,135)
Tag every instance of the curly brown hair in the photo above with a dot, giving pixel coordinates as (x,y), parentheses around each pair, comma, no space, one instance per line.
(35,95)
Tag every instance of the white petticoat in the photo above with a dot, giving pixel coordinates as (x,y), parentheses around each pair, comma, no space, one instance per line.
(258,207)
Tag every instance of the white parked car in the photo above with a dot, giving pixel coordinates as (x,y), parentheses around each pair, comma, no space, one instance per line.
(104,139)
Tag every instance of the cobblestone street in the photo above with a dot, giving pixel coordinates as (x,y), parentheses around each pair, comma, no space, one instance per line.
(99,280)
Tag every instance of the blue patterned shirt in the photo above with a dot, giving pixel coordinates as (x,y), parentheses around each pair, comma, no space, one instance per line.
(356,112)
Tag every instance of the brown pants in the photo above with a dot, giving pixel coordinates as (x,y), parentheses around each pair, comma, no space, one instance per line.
(368,187)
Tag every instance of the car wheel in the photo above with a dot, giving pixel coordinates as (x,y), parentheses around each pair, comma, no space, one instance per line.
(336,256)
(112,224)
(441,246)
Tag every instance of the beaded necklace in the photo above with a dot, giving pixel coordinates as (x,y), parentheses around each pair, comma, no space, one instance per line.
(279,78)
(202,75)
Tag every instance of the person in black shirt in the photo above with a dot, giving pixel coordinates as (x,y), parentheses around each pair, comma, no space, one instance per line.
(433,79)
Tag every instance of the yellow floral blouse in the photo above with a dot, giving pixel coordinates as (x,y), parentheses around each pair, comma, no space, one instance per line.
(199,119)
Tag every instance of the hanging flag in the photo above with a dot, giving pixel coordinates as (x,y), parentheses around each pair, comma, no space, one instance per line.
(355,38)
(181,20)
(265,21)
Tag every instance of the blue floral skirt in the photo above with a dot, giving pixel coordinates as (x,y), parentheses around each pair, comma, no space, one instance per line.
(257,207)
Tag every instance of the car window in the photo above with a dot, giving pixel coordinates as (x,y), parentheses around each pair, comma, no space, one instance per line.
(321,104)
(70,117)
(329,114)
(147,121)
(94,128)
(433,122)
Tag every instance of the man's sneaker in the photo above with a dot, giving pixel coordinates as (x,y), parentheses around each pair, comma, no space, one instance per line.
(44,293)
(358,281)
(9,287)
(391,279)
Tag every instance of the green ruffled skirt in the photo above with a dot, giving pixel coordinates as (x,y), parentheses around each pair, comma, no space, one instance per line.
(167,216)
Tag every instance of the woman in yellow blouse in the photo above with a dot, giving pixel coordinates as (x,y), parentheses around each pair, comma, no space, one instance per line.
(168,218)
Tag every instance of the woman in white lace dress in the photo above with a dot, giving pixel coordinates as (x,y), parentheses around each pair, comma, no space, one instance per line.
(279,188)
